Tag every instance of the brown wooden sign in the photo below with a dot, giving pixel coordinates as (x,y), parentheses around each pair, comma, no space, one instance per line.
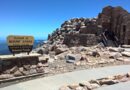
(18,44)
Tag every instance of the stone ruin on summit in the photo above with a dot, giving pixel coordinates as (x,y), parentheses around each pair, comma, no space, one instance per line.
(111,27)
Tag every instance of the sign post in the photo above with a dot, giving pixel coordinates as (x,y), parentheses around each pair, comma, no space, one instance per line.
(18,44)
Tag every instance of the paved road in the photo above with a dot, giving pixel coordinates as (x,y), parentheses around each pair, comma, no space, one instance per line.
(54,82)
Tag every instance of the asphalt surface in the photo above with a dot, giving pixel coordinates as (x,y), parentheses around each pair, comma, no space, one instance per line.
(54,82)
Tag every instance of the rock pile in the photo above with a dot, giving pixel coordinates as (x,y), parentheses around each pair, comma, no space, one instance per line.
(65,59)
(77,31)
(93,84)
(90,31)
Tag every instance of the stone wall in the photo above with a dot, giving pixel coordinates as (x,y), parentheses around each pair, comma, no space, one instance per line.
(117,20)
(20,65)
(81,39)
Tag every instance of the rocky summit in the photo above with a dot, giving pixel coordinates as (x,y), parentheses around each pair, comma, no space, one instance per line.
(80,43)
(77,31)
(110,27)
(90,41)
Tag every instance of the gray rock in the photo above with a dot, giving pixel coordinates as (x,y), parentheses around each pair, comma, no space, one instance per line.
(26,67)
(95,53)
(81,88)
(116,49)
(46,70)
(126,54)
(42,51)
(80,49)
(123,59)
(60,50)
(39,65)
(44,58)
(33,71)
(6,76)
(17,73)
(77,63)
(71,58)
(124,79)
(21,69)
(14,69)
(6,72)
(26,73)
(45,65)
(51,60)
(115,55)
(85,83)
(126,46)
(108,82)
(93,86)
(33,66)
(40,70)
(89,85)
(95,81)
(73,86)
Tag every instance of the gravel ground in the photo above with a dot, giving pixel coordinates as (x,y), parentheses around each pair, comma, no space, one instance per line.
(60,67)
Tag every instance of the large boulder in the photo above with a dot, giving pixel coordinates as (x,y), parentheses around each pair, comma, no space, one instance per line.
(44,58)
(115,55)
(108,82)
(17,73)
(112,49)
(123,59)
(126,54)
(60,50)
(42,51)
(71,58)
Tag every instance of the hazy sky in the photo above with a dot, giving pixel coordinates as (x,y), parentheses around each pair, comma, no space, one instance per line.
(40,17)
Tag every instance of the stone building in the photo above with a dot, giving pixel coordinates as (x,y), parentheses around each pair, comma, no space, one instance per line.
(112,27)
(117,20)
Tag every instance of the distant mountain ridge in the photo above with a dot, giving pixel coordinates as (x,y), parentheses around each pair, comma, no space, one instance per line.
(4,47)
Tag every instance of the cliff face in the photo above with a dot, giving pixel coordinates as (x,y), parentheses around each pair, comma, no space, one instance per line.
(117,20)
